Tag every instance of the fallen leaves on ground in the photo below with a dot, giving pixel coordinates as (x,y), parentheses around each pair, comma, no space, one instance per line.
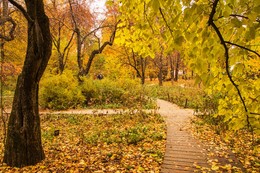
(228,151)
(100,143)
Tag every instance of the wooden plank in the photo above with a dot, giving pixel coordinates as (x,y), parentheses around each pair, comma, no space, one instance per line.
(185,159)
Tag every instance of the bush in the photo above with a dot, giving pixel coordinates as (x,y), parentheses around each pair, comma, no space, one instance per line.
(60,92)
(182,96)
(88,90)
(114,93)
(64,92)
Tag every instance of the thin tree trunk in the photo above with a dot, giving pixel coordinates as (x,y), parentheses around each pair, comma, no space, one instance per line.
(177,66)
(23,143)
(160,77)
(143,67)
(100,50)
(160,74)
(79,52)
(171,69)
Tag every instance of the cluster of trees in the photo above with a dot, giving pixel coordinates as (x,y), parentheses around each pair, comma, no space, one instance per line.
(79,37)
(216,40)
(165,68)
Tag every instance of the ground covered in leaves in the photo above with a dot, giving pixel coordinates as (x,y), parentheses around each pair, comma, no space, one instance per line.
(99,143)
(220,142)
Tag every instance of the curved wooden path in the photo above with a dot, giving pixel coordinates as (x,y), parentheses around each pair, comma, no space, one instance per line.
(184,153)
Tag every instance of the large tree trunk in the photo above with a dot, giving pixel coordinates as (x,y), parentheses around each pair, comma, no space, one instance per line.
(23,144)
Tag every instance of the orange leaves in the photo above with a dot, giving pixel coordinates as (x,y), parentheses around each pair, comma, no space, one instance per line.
(9,69)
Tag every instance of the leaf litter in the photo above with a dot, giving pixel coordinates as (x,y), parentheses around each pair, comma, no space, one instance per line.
(99,143)
(228,151)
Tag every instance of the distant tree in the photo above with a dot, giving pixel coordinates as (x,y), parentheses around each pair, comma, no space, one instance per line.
(136,62)
(177,65)
(161,65)
(171,63)
(3,21)
(83,24)
(62,34)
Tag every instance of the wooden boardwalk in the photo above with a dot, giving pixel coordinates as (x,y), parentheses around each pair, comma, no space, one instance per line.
(184,153)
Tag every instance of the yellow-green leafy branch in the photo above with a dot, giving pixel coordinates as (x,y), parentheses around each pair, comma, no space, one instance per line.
(223,42)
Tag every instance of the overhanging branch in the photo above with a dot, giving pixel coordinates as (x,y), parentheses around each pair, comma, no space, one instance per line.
(242,47)
(211,23)
(164,19)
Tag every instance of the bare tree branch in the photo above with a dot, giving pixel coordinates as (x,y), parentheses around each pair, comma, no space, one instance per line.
(100,50)
(94,30)
(23,11)
(11,32)
(168,26)
(238,15)
(253,113)
(146,17)
(242,47)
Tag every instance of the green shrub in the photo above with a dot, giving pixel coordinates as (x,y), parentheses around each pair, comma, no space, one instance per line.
(114,93)
(184,97)
(64,91)
(88,90)
(108,92)
(60,92)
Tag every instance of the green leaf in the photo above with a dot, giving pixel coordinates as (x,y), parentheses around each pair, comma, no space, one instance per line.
(251,33)
(179,40)
(156,5)
(257,9)
(237,23)
(205,50)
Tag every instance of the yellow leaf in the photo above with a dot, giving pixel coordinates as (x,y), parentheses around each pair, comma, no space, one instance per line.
(215,167)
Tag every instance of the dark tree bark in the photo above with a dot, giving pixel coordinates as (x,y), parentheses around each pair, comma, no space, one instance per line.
(176,74)
(160,73)
(171,69)
(160,77)
(143,67)
(100,50)
(23,144)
